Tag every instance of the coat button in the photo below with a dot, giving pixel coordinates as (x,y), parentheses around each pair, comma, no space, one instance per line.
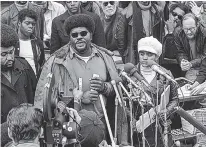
(95,123)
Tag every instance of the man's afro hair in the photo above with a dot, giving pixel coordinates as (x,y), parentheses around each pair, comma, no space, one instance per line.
(79,20)
(8,36)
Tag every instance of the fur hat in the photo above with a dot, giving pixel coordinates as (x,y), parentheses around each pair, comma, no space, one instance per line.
(151,45)
(79,20)
(8,36)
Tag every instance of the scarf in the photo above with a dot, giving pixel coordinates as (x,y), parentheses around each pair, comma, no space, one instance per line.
(21,7)
(147,18)
(143,7)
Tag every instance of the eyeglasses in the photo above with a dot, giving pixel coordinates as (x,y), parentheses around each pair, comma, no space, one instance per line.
(82,33)
(107,3)
(3,54)
(179,16)
(189,29)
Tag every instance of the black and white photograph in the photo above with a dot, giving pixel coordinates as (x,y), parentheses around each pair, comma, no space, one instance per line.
(103,74)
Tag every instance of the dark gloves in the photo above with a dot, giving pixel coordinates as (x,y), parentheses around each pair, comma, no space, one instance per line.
(96,83)
(90,96)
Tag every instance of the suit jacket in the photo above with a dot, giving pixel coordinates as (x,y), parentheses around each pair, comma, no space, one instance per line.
(20,90)
(60,38)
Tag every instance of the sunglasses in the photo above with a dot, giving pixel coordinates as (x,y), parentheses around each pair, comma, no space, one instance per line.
(82,33)
(179,16)
(107,3)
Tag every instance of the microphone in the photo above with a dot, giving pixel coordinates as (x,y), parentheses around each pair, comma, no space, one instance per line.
(157,68)
(190,119)
(124,74)
(132,70)
(138,87)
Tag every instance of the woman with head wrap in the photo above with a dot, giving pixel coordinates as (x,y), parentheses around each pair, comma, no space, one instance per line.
(149,50)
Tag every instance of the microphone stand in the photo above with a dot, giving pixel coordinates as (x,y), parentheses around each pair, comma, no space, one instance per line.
(157,101)
(106,117)
(131,111)
(143,133)
(165,118)
(117,98)
(107,120)
(142,111)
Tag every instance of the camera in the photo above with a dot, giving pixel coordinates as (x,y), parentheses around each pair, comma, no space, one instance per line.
(58,130)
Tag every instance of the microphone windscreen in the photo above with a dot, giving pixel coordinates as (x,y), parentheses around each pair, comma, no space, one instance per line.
(128,67)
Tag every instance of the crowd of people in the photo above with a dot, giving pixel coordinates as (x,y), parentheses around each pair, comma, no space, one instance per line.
(84,46)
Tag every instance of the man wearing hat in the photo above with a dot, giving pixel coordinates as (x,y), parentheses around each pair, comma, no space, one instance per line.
(149,50)
(86,66)
(18,81)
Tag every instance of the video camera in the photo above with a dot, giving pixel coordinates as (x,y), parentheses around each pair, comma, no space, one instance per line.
(58,131)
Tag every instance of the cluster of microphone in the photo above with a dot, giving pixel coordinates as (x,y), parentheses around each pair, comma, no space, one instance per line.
(130,69)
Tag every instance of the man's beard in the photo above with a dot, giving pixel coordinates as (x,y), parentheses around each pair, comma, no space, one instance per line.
(7,68)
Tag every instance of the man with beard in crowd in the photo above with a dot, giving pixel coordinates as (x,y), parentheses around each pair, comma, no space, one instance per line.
(115,28)
(60,38)
(74,66)
(18,81)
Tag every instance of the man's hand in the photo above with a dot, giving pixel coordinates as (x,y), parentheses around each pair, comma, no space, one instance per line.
(171,24)
(162,115)
(195,9)
(191,87)
(198,89)
(104,144)
(90,96)
(96,83)
(185,65)
(77,94)
(73,113)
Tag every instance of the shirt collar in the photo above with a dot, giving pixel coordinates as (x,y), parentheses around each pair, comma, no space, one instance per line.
(94,52)
(50,6)
(18,65)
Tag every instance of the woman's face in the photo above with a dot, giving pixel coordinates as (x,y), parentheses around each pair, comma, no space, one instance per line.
(145,56)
